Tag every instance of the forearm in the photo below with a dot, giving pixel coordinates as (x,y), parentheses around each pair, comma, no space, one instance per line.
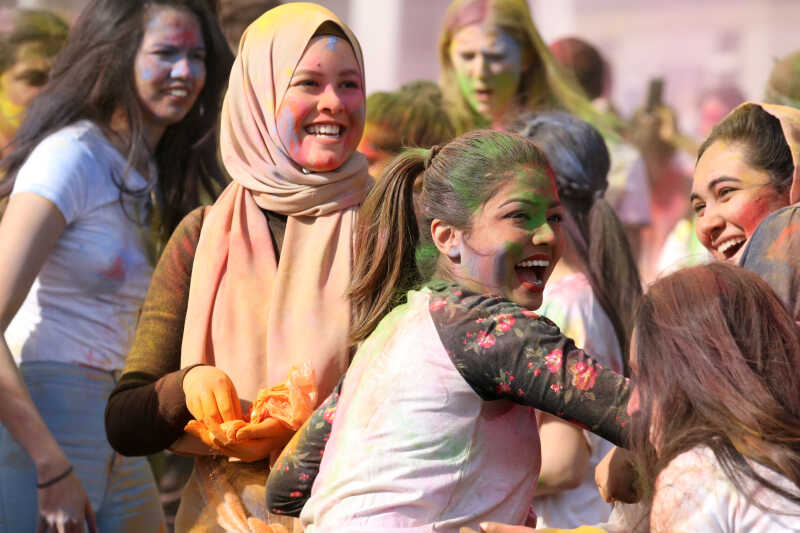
(565,456)
(19,414)
(145,415)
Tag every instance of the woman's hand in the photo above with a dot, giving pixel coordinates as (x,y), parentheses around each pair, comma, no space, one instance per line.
(616,477)
(64,507)
(211,396)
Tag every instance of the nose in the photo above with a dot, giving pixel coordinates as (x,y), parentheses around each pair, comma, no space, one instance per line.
(481,67)
(709,225)
(330,100)
(182,68)
(544,235)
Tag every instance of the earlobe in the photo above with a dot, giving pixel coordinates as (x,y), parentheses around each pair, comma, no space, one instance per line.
(447,239)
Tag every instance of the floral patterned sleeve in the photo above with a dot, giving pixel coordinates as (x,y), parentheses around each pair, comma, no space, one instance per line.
(505,351)
(293,474)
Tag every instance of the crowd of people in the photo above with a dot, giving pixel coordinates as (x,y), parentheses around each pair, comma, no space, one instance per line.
(489,303)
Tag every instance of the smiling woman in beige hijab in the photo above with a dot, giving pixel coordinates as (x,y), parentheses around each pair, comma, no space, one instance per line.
(255,284)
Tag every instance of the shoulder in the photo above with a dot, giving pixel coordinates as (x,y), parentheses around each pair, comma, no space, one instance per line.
(690,482)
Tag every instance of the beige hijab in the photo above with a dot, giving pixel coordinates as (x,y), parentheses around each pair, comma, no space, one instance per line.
(248,313)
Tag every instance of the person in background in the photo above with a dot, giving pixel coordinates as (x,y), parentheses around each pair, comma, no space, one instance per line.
(236,15)
(591,295)
(29,41)
(783,86)
(412,116)
(494,65)
(628,181)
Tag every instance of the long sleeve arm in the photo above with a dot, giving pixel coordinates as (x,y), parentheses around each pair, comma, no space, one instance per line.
(505,351)
(147,411)
(293,474)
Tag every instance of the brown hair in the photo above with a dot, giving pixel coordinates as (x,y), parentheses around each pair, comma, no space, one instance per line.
(93,76)
(765,144)
(718,358)
(393,253)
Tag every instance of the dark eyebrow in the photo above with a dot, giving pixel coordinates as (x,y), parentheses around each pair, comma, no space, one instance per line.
(350,72)
(713,183)
(551,205)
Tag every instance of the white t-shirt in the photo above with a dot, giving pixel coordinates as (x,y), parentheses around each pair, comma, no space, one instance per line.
(571,304)
(693,494)
(85,302)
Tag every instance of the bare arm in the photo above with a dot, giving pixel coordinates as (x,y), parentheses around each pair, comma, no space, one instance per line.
(565,456)
(29,229)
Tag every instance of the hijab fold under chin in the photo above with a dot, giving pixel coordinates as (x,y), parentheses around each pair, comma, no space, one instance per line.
(250,314)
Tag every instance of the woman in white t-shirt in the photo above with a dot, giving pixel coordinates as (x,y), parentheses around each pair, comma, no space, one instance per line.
(590,296)
(117,148)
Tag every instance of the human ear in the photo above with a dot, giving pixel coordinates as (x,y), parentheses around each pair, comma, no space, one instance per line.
(447,239)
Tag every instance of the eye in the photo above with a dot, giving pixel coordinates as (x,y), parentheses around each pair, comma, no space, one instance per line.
(199,55)
(698,207)
(521,216)
(467,56)
(725,191)
(34,78)
(495,57)
(305,82)
(350,84)
(555,218)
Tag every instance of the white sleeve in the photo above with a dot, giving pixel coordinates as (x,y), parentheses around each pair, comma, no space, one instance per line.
(59,169)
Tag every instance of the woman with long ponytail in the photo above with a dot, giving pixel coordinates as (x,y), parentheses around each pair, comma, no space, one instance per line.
(443,300)
(591,297)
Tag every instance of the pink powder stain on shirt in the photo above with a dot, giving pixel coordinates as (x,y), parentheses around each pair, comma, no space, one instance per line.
(116,271)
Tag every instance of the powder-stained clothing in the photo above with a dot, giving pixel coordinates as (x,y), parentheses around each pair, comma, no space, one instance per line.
(693,494)
(434,428)
(773,252)
(76,325)
(572,305)
(147,410)
(84,304)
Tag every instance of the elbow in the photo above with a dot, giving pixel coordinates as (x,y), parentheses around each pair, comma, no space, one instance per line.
(568,477)
(281,499)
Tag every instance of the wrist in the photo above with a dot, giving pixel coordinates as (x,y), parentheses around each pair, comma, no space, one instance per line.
(50,465)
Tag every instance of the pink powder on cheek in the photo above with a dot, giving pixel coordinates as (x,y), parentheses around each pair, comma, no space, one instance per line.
(753,212)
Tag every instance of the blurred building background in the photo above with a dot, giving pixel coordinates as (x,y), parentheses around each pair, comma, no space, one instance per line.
(693,44)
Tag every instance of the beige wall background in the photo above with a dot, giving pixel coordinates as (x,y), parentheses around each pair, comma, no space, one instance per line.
(692,44)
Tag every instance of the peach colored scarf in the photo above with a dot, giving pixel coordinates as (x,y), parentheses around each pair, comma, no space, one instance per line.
(249,314)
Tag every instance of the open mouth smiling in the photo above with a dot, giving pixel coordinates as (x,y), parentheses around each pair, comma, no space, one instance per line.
(731,247)
(327,130)
(532,271)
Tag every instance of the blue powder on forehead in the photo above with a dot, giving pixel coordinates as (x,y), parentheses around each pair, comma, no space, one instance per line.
(331,44)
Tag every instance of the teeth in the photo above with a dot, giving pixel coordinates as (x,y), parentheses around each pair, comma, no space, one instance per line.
(728,244)
(179,92)
(324,129)
(534,263)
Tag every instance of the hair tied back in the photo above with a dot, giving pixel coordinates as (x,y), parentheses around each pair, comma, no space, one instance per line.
(431,154)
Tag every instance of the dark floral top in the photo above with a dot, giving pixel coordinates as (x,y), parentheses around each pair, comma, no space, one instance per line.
(503,351)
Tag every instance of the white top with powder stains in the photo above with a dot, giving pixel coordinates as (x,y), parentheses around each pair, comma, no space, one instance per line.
(414,448)
(85,302)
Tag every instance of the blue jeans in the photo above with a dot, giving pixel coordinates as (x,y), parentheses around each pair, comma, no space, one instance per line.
(72,400)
